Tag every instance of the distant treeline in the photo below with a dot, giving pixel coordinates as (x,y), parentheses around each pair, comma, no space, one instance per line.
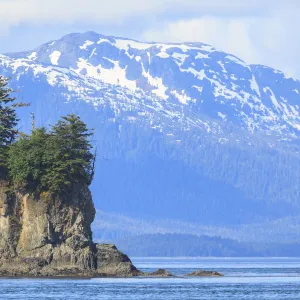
(172,245)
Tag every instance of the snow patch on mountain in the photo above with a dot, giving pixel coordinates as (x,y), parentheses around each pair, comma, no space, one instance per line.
(180,58)
(254,86)
(86,45)
(163,55)
(195,75)
(159,88)
(54,57)
(201,55)
(127,44)
(32,56)
(182,97)
(115,75)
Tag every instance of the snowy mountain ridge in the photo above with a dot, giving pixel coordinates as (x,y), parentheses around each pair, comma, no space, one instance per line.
(195,76)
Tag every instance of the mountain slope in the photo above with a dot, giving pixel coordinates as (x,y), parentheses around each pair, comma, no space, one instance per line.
(184,131)
(212,82)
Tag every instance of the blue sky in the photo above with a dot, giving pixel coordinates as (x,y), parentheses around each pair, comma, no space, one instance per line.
(258,31)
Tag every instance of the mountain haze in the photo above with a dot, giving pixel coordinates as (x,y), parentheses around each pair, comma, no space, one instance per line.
(184,132)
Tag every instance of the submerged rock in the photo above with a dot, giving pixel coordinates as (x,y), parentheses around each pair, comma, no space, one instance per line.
(201,273)
(161,273)
(51,236)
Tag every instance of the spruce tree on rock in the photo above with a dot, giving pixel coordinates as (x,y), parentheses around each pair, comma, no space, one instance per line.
(8,122)
(70,159)
(26,161)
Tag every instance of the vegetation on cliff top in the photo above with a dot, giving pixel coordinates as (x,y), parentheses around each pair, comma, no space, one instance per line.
(49,161)
(8,122)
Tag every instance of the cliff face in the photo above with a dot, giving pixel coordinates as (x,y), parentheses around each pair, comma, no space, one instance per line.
(52,237)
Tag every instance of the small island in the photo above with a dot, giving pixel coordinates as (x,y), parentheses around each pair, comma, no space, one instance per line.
(46,207)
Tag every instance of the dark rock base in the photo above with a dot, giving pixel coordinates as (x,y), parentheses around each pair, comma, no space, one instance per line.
(104,261)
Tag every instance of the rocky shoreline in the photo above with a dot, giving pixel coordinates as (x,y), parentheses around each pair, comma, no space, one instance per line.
(199,273)
(51,237)
(160,273)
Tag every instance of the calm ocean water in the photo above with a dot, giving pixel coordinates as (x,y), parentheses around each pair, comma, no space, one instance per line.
(245,278)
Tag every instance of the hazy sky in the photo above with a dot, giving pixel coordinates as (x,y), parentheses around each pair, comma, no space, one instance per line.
(258,31)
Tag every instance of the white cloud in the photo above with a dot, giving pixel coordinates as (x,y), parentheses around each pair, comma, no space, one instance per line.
(228,35)
(50,11)
(258,31)
(270,39)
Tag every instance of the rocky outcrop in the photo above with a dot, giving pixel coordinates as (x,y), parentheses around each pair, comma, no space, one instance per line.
(201,273)
(112,262)
(161,273)
(51,236)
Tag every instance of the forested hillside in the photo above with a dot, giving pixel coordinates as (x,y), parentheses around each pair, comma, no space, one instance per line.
(184,132)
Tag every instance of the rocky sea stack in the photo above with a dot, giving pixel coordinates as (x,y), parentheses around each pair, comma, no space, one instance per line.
(46,207)
(51,236)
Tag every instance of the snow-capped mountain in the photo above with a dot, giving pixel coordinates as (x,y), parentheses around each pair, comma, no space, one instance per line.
(187,131)
(196,75)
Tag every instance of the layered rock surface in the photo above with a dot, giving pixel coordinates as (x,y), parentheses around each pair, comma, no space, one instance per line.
(51,236)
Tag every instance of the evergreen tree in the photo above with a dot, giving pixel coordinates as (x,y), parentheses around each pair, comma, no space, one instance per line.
(54,161)
(26,161)
(69,156)
(8,122)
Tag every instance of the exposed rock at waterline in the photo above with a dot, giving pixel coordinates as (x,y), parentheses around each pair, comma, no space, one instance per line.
(201,273)
(112,262)
(161,273)
(51,236)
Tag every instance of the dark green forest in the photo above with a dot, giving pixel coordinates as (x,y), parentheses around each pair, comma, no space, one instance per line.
(46,160)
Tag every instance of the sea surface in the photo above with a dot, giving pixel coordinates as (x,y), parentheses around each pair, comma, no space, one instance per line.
(245,278)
